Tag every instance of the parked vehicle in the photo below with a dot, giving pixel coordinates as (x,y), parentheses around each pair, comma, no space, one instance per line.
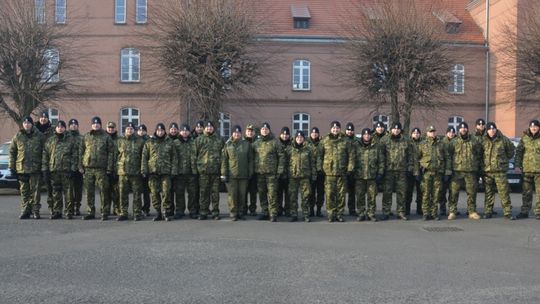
(6,180)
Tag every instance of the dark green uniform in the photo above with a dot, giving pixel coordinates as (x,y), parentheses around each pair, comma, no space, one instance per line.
(47,130)
(77,178)
(114,196)
(251,204)
(283,197)
(236,169)
(25,156)
(351,181)
(316,197)
(368,164)
(128,168)
(445,190)
(528,159)
(146,201)
(302,169)
(413,184)
(186,180)
(207,164)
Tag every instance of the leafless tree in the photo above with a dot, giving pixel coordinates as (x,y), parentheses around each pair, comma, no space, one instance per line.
(397,56)
(206,49)
(34,58)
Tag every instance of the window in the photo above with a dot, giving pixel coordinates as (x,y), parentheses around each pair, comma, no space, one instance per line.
(301,75)
(40,11)
(53,115)
(225,125)
(141,10)
(51,63)
(382,118)
(130,65)
(128,115)
(301,23)
(120,11)
(300,14)
(301,123)
(454,121)
(457,81)
(60,12)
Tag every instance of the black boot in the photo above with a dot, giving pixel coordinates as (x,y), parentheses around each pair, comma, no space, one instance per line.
(318,212)
(311,211)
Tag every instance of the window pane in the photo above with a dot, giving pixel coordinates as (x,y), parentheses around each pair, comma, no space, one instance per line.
(125,112)
(141,11)
(60,11)
(120,11)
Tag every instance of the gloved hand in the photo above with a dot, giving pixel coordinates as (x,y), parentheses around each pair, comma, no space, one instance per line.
(379,178)
(224,178)
(446,178)
(418,178)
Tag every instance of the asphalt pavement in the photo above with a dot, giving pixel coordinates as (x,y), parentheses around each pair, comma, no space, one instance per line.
(191,261)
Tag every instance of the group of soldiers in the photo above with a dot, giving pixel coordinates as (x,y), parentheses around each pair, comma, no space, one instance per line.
(160,170)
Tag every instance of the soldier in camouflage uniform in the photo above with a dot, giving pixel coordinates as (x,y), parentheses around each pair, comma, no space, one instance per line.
(380,132)
(283,183)
(399,155)
(480,130)
(159,163)
(416,139)
(25,153)
(206,162)
(198,130)
(269,165)
(113,177)
(77,178)
(528,160)
(316,197)
(185,180)
(337,159)
(96,156)
(498,150)
(60,162)
(128,168)
(146,201)
(351,199)
(45,127)
(445,191)
(465,153)
(174,134)
(433,167)
(236,169)
(368,169)
(251,204)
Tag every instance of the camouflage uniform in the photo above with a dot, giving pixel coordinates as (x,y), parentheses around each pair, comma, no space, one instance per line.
(337,160)
(528,159)
(302,168)
(284,202)
(236,169)
(251,204)
(412,185)
(351,181)
(96,161)
(269,164)
(186,180)
(47,130)
(77,178)
(128,168)
(114,196)
(25,156)
(316,197)
(206,162)
(445,190)
(60,158)
(368,165)
(497,153)
(146,201)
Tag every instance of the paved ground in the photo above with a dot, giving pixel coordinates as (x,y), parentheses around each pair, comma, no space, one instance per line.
(189,261)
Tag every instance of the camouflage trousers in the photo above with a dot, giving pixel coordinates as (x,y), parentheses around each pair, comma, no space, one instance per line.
(267,187)
(183,184)
(30,186)
(160,193)
(50,199)
(335,190)
(77,190)
(146,201)
(303,186)
(351,193)
(317,192)
(283,196)
(114,197)
(411,187)
(62,184)
(236,195)
(125,184)
(444,196)
(394,181)
(497,182)
(530,182)
(366,187)
(431,190)
(209,194)
(96,177)
(471,185)
(251,204)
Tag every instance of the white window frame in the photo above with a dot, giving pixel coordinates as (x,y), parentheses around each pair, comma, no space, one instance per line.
(129,117)
(60,11)
(224,125)
(39,6)
(299,67)
(301,121)
(141,5)
(120,11)
(454,121)
(54,115)
(385,119)
(458,74)
(133,57)
(51,66)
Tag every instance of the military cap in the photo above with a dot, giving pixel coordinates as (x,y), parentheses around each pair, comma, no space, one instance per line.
(480,121)
(416,130)
(96,120)
(335,123)
(45,114)
(185,127)
(61,123)
(430,129)
(463,125)
(111,124)
(366,131)
(250,127)
(142,127)
(265,125)
(349,126)
(28,119)
(285,131)
(209,124)
(130,125)
(380,124)
(199,123)
(173,125)
(491,125)
(160,126)
(534,122)
(73,121)
(299,133)
(450,129)
(315,130)
(397,125)
(237,128)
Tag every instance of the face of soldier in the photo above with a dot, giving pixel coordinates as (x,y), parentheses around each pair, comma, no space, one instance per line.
(74,127)
(209,129)
(379,130)
(185,133)
(141,132)
(492,132)
(432,134)
(314,135)
(366,137)
(250,133)
(265,131)
(60,129)
(111,130)
(160,132)
(450,135)
(173,131)
(534,129)
(284,136)
(130,131)
(396,132)
(27,126)
(96,126)
(349,133)
(199,129)
(43,120)
(236,136)
(299,139)
(463,131)
(480,127)
(415,134)
(335,130)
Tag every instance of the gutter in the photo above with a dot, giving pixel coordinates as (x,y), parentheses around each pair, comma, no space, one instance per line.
(488,60)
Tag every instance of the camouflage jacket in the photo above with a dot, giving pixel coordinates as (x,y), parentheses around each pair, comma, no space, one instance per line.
(76,137)
(302,161)
(25,152)
(368,161)
(269,157)
(207,154)
(337,155)
(237,160)
(433,157)
(159,157)
(96,151)
(497,153)
(184,152)
(465,153)
(379,138)
(399,154)
(129,155)
(528,153)
(60,154)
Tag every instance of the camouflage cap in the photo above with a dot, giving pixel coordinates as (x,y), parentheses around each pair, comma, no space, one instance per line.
(250,126)
(430,129)
(111,124)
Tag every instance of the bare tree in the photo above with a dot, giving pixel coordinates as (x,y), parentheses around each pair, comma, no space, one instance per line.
(397,57)
(206,49)
(33,55)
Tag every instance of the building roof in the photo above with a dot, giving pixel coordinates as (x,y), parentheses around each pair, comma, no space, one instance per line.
(327,18)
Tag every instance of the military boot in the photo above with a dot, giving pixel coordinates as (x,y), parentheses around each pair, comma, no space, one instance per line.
(537,216)
(56,216)
(273,218)
(372,218)
(24,216)
(136,217)
(158,217)
(361,218)
(311,211)
(509,217)
(340,219)
(36,215)
(89,217)
(122,218)
(318,212)
(452,216)
(474,216)
(402,216)
(293,219)
(522,215)
(307,219)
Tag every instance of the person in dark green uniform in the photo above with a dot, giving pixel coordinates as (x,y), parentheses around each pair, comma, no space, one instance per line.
(351,192)
(251,205)
(316,198)
(185,180)
(283,182)
(146,201)
(77,178)
(416,139)
(528,160)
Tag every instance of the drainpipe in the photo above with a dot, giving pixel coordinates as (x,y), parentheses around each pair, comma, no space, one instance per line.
(488,75)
